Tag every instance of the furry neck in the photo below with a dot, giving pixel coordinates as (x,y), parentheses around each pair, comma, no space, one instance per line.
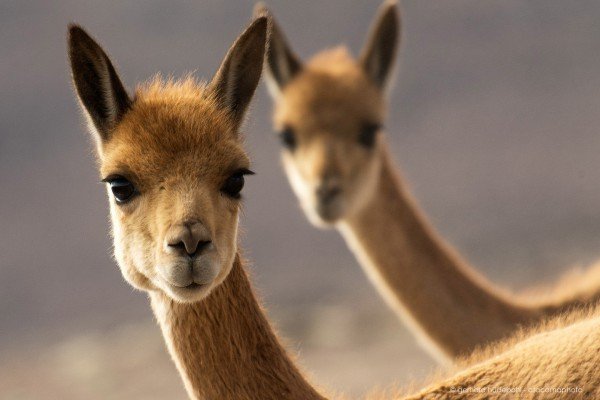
(224,347)
(449,305)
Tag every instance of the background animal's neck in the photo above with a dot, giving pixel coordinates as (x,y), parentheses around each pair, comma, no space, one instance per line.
(422,277)
(224,347)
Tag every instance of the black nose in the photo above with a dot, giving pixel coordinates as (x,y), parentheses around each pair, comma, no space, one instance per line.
(327,193)
(190,238)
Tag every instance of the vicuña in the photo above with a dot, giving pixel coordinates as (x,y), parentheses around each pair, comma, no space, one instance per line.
(174,167)
(329,113)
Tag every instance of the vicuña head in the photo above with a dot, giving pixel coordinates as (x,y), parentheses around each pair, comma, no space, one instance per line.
(173,163)
(329,113)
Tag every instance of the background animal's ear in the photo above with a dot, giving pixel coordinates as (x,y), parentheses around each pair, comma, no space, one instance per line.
(98,86)
(282,63)
(236,80)
(379,53)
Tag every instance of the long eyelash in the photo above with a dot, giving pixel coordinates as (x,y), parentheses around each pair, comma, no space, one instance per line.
(245,171)
(110,178)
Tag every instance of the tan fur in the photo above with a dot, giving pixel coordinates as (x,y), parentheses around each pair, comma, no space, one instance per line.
(556,359)
(326,102)
(175,136)
(159,144)
(452,308)
(177,143)
(225,348)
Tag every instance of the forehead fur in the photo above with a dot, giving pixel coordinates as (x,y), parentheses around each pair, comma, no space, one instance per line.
(331,87)
(337,59)
(171,125)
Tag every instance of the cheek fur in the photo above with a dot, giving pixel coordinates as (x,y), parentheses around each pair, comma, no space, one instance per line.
(132,247)
(297,181)
(365,182)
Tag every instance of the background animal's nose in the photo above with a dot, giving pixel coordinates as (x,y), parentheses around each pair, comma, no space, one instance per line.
(189,238)
(327,192)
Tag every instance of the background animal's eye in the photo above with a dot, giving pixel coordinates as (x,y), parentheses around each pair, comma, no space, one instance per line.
(368,134)
(122,189)
(288,138)
(235,183)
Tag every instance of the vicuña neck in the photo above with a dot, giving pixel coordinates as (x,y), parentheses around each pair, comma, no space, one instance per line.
(422,277)
(224,347)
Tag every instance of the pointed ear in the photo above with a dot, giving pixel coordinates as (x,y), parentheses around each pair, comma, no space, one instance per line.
(236,80)
(98,86)
(379,53)
(282,62)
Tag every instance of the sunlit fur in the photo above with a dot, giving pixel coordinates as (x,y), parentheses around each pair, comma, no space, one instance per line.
(178,148)
(178,141)
(559,354)
(224,346)
(177,145)
(326,106)
(451,308)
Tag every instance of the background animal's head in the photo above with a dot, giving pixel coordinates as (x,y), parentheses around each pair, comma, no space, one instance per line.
(329,113)
(173,164)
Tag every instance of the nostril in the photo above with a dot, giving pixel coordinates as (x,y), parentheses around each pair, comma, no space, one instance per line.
(189,249)
(202,245)
(199,249)
(328,193)
(334,191)
(180,246)
(187,239)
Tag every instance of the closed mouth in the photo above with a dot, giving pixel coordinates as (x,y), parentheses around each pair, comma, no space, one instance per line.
(194,286)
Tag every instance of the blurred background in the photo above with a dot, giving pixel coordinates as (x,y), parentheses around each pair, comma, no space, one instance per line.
(494,122)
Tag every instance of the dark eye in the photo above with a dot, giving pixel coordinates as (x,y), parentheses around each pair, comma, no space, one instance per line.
(235,183)
(288,138)
(368,134)
(122,189)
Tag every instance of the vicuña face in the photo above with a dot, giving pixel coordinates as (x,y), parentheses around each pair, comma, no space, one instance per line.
(329,122)
(328,114)
(173,164)
(174,174)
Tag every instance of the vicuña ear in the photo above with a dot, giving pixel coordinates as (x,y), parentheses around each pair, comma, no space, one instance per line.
(282,62)
(98,86)
(236,80)
(379,53)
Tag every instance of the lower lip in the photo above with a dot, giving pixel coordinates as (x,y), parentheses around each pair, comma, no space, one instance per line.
(193,286)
